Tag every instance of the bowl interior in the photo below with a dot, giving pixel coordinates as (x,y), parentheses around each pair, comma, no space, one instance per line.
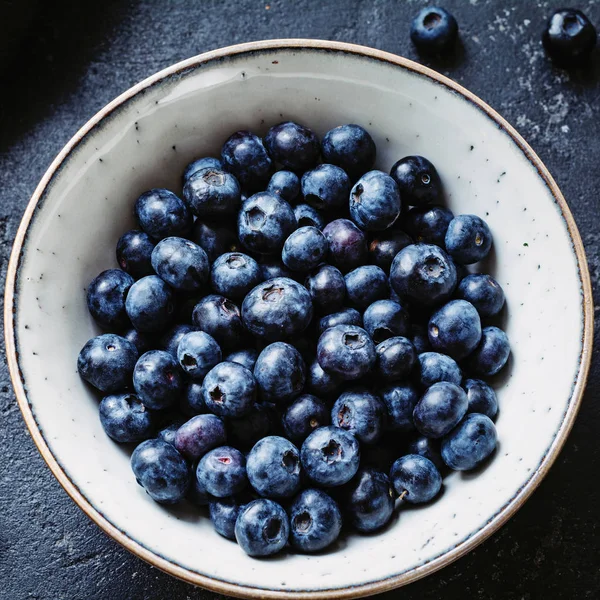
(147,141)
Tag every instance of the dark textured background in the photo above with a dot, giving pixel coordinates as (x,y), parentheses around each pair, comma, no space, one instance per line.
(77,56)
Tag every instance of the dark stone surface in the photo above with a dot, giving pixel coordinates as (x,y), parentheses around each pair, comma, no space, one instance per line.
(78,56)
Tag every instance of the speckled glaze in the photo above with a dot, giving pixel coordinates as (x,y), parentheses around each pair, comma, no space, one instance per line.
(144,139)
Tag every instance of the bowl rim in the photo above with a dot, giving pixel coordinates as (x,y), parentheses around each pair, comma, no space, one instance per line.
(232,589)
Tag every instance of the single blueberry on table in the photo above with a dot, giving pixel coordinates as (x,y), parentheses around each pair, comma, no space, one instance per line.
(229,390)
(483,292)
(434,30)
(134,250)
(157,379)
(280,373)
(150,304)
(346,351)
(221,319)
(455,329)
(286,185)
(418,181)
(197,354)
(214,238)
(107,362)
(212,193)
(292,145)
(180,263)
(169,342)
(305,414)
(428,448)
(428,224)
(491,354)
(258,423)
(277,309)
(161,214)
(433,367)
(222,472)
(385,245)
(142,341)
(440,409)
(469,443)
(161,471)
(468,239)
(315,521)
(223,515)
(234,274)
(304,249)
(244,155)
(375,202)
(415,478)
(330,456)
(320,382)
(396,358)
(246,358)
(327,288)
(400,399)
(481,397)
(569,37)
(262,528)
(208,162)
(199,435)
(264,223)
(191,402)
(347,245)
(106,296)
(365,285)
(346,316)
(307,216)
(424,274)
(125,419)
(273,467)
(370,500)
(361,413)
(349,147)
(385,319)
(326,187)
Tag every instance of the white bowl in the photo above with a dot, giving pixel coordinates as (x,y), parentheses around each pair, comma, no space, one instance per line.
(144,139)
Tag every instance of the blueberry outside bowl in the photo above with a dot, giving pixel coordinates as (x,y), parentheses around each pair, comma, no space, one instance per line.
(144,139)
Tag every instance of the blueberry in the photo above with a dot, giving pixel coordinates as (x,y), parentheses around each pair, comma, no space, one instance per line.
(273,268)
(481,397)
(252,427)
(483,292)
(384,247)
(569,37)
(470,443)
(199,435)
(229,390)
(106,298)
(385,319)
(234,274)
(420,339)
(107,362)
(246,358)
(277,309)
(142,341)
(304,415)
(285,184)
(307,216)
(223,515)
(350,147)
(347,245)
(424,274)
(468,239)
(455,329)
(280,373)
(491,354)
(370,501)
(428,224)
(415,478)
(134,250)
(346,316)
(262,528)
(440,409)
(428,448)
(221,319)
(433,367)
(161,214)
(169,342)
(375,201)
(180,263)
(208,162)
(361,413)
(273,467)
(167,434)
(212,193)
(315,521)
(365,285)
(292,145)
(214,238)
(326,187)
(418,181)
(244,155)
(346,351)
(327,288)
(330,456)
(434,30)
(396,358)
(264,223)
(150,304)
(197,354)
(191,402)
(304,249)
(157,379)
(125,419)
(400,400)
(222,472)
(320,382)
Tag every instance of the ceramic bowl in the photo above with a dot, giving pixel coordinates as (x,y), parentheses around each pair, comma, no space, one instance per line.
(144,139)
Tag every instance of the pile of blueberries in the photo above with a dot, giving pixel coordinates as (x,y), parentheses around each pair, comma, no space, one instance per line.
(307,350)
